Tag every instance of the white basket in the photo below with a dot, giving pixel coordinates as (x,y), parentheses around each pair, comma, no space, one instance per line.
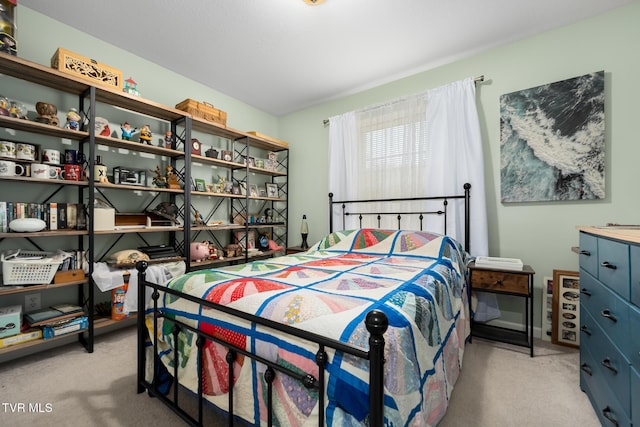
(30,267)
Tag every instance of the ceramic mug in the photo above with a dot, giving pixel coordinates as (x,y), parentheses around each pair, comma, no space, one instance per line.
(8,149)
(25,151)
(40,171)
(50,156)
(9,168)
(56,172)
(73,157)
(71,172)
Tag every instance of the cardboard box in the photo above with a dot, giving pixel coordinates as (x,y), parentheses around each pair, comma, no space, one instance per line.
(30,335)
(105,219)
(86,68)
(68,276)
(65,327)
(10,320)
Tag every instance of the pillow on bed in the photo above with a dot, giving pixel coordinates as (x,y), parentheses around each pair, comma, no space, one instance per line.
(376,240)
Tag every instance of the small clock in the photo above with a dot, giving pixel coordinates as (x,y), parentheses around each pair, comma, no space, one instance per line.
(196,148)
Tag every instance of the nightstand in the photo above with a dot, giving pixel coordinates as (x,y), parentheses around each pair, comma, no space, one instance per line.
(517,283)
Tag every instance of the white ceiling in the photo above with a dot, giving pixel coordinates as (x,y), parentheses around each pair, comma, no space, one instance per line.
(284,55)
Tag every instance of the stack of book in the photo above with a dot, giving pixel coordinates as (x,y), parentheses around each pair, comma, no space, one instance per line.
(58,320)
(499,263)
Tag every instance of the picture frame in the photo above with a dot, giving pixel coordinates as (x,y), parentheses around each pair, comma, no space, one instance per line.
(272,189)
(547,309)
(262,192)
(235,188)
(201,185)
(566,308)
(253,190)
(249,242)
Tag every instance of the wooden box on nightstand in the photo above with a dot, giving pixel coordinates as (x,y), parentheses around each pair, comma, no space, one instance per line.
(508,282)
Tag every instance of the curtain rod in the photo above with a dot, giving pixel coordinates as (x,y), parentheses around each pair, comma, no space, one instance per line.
(478,79)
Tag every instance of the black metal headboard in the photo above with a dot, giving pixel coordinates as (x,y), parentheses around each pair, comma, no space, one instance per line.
(399,215)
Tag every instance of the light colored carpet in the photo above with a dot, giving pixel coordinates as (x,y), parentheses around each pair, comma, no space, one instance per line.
(499,386)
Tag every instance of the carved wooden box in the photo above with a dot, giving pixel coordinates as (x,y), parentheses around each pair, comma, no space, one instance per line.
(86,68)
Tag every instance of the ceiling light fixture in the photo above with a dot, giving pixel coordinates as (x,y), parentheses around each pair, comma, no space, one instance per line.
(313,2)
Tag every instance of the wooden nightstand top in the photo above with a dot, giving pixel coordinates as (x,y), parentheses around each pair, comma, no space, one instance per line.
(526,269)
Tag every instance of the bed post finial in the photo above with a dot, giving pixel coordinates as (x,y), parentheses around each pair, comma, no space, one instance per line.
(377,324)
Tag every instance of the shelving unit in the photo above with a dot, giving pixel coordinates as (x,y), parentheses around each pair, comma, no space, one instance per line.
(99,101)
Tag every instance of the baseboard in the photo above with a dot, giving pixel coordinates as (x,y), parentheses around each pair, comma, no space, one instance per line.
(537,331)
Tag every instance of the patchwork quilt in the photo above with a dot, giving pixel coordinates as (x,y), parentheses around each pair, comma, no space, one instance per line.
(417,279)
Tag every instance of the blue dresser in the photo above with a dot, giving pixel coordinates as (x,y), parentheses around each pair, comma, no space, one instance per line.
(610,323)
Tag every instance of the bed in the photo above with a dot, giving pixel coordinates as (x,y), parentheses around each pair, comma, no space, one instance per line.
(368,327)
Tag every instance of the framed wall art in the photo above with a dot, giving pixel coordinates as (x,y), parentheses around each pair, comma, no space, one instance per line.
(552,141)
(566,308)
(547,308)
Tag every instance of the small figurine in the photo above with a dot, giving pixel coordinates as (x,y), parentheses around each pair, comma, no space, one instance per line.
(102,127)
(127,131)
(130,86)
(73,119)
(159,180)
(168,139)
(198,219)
(145,134)
(172,178)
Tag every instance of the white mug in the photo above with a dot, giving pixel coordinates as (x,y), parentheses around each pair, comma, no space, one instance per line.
(25,151)
(9,168)
(50,156)
(8,149)
(39,171)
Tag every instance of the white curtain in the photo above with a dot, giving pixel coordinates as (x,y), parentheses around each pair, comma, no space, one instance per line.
(423,145)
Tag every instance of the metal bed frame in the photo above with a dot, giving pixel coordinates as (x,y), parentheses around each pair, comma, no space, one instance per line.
(376,323)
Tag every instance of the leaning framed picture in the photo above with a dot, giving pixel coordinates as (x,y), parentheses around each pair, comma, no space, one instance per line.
(547,308)
(272,189)
(201,184)
(566,308)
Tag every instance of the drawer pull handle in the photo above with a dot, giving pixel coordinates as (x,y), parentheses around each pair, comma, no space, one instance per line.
(586,369)
(499,282)
(607,364)
(586,253)
(585,291)
(606,412)
(586,330)
(607,314)
(607,264)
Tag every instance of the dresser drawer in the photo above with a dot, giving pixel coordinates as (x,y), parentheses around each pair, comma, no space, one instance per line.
(634,332)
(634,253)
(613,266)
(635,396)
(609,311)
(604,401)
(589,253)
(500,281)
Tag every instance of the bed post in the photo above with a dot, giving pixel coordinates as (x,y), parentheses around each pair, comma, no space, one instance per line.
(330,212)
(467,217)
(141,266)
(377,324)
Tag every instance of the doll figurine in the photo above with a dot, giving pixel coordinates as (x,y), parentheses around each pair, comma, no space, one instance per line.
(145,134)
(168,139)
(73,119)
(127,131)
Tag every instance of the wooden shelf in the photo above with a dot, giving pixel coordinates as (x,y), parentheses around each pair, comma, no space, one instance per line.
(49,233)
(17,289)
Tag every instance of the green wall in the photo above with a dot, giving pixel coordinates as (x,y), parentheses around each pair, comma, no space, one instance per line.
(542,234)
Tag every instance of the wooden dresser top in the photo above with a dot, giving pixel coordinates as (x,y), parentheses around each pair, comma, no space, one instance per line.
(629,233)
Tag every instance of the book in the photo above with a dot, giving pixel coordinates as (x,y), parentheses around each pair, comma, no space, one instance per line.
(53,216)
(50,315)
(498,262)
(65,327)
(3,217)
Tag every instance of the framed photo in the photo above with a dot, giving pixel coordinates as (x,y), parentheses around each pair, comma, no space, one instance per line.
(246,241)
(262,192)
(272,189)
(566,308)
(228,187)
(547,308)
(201,185)
(253,190)
(235,189)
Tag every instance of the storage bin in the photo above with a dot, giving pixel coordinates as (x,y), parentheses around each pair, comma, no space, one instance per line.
(30,267)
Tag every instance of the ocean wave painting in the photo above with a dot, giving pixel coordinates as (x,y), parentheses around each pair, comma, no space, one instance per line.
(552,143)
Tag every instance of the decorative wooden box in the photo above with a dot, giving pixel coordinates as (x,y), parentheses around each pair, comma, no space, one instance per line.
(86,68)
(203,110)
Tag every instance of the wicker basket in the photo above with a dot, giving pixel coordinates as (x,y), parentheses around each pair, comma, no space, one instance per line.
(30,267)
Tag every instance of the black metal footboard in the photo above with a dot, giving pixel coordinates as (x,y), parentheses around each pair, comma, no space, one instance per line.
(376,323)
